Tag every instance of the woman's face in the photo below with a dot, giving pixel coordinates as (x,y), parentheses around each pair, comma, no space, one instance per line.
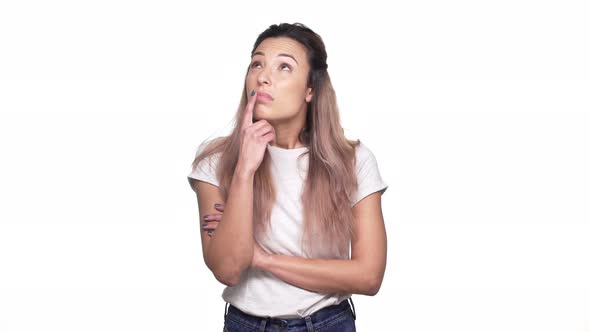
(279,68)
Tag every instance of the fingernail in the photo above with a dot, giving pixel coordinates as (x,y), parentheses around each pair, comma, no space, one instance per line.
(210,233)
(217,205)
(206,216)
(204,224)
(253,93)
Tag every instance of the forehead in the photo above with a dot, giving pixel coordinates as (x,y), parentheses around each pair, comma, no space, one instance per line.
(275,45)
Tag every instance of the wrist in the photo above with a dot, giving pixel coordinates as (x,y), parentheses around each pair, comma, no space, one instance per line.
(266,262)
(243,174)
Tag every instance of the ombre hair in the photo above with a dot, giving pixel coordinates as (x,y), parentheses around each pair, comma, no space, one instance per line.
(331,181)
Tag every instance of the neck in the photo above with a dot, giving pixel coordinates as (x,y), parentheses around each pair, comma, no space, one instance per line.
(287,132)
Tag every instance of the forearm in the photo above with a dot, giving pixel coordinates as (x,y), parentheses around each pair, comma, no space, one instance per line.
(322,275)
(230,250)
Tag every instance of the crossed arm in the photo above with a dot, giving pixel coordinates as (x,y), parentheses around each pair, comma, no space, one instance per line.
(362,274)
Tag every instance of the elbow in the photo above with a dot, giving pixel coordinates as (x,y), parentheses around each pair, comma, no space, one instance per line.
(229,277)
(229,280)
(228,269)
(229,273)
(373,286)
(372,291)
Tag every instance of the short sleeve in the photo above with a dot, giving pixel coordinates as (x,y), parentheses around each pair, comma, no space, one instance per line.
(206,169)
(368,175)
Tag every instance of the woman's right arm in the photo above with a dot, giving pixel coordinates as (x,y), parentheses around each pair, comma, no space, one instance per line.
(229,251)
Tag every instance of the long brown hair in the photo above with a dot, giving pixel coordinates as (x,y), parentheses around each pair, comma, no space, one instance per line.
(331,180)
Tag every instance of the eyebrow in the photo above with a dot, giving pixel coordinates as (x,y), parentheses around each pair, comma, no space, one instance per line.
(281,54)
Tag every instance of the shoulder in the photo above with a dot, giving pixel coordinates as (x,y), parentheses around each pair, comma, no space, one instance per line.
(209,143)
(368,175)
(204,167)
(364,154)
(206,148)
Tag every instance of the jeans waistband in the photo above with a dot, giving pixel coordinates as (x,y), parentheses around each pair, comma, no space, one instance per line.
(316,317)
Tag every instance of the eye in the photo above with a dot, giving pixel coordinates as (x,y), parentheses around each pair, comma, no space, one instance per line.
(256,63)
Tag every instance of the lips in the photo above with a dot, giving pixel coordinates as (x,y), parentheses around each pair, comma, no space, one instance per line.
(263,96)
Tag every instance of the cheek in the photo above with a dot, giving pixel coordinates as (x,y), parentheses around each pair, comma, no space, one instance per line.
(292,89)
(249,82)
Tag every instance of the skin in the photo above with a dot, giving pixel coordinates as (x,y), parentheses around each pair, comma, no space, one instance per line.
(362,274)
(285,80)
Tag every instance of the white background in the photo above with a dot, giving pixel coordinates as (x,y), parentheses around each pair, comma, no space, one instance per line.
(478,114)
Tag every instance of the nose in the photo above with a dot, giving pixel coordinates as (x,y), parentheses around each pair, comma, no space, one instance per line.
(263,77)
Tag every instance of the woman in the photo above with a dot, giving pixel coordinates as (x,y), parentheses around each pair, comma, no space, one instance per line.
(285,194)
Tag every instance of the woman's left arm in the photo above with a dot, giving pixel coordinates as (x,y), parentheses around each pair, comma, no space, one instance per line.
(362,274)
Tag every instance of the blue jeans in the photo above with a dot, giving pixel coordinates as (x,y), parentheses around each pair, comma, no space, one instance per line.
(334,318)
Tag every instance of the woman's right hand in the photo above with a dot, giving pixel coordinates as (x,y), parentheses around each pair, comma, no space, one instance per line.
(254,138)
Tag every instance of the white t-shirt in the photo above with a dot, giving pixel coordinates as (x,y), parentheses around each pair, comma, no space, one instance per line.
(260,293)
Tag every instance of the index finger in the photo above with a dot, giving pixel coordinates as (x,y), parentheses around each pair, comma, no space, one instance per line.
(248,113)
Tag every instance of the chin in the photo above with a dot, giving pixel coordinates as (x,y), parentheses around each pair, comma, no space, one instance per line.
(261,114)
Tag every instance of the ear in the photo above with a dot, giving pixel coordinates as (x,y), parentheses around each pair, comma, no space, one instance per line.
(309,95)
